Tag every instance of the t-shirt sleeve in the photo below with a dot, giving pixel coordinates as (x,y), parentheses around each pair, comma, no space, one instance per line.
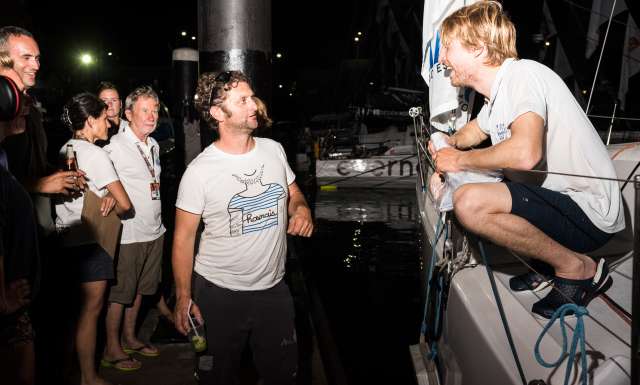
(100,169)
(291,176)
(527,95)
(191,195)
(483,120)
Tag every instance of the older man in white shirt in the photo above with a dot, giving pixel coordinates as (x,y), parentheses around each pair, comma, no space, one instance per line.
(136,158)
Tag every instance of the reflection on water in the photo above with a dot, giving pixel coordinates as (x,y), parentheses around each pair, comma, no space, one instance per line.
(365,262)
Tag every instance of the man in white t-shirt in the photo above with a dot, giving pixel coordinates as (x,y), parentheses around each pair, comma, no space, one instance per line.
(136,158)
(243,189)
(535,124)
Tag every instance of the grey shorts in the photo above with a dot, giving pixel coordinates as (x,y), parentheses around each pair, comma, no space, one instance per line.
(138,271)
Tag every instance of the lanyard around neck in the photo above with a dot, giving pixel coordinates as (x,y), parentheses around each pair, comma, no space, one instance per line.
(150,167)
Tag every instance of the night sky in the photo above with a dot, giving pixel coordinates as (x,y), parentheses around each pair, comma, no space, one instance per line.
(315,38)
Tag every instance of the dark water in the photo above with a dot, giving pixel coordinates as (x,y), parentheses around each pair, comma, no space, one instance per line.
(364,263)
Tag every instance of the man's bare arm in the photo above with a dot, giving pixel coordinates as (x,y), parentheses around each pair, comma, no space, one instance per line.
(468,136)
(522,151)
(300,221)
(184,238)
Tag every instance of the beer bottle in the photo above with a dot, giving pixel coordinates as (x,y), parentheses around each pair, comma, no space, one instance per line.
(70,160)
(72,165)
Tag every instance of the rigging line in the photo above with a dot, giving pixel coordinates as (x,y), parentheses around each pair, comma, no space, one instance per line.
(572,175)
(604,327)
(604,43)
(590,11)
(503,316)
(366,171)
(629,176)
(613,117)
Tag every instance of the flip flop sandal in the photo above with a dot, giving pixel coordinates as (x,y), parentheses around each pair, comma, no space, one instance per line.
(114,364)
(532,280)
(141,351)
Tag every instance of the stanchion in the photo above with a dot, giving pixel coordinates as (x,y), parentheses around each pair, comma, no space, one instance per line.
(635,295)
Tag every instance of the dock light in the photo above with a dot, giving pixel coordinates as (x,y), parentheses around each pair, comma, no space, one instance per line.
(547,43)
(183,33)
(356,39)
(193,37)
(359,33)
(109,53)
(370,83)
(290,94)
(86,59)
(279,55)
(280,86)
(584,92)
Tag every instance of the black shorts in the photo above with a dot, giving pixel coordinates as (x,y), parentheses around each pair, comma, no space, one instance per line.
(557,215)
(90,263)
(263,319)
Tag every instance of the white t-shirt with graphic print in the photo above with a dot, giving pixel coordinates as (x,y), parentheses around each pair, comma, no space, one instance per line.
(243,202)
(572,144)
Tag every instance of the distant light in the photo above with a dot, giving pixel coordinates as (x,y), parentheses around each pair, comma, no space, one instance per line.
(183,33)
(584,92)
(547,43)
(279,55)
(280,86)
(290,93)
(86,59)
(109,53)
(193,37)
(356,39)
(370,83)
(359,33)
(195,97)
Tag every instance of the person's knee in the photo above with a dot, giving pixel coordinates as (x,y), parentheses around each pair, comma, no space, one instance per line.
(466,203)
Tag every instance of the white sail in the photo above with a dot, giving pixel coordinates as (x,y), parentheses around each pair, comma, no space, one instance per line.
(448,105)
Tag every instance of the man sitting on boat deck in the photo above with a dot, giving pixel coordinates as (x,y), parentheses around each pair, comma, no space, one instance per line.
(534,123)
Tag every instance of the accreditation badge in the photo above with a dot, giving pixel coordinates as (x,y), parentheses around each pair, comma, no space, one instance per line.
(155,191)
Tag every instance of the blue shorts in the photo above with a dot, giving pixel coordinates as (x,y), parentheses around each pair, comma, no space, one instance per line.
(557,215)
(90,263)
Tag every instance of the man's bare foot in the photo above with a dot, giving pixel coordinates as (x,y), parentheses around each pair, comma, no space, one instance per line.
(137,346)
(121,362)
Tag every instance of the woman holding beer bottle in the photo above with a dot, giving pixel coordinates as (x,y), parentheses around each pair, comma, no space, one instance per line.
(85,115)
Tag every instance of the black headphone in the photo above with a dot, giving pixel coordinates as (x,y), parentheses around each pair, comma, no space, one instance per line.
(9,99)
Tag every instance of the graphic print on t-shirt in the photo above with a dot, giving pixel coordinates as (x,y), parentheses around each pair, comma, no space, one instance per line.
(256,207)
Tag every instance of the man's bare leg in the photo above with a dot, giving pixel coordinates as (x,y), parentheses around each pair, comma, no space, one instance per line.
(113,349)
(129,338)
(17,363)
(484,209)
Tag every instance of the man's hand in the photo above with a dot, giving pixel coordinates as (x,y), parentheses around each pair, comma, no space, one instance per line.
(448,160)
(16,296)
(451,140)
(181,314)
(108,203)
(301,222)
(61,182)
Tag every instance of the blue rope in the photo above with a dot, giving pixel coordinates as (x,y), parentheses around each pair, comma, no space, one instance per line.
(439,228)
(434,345)
(578,336)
